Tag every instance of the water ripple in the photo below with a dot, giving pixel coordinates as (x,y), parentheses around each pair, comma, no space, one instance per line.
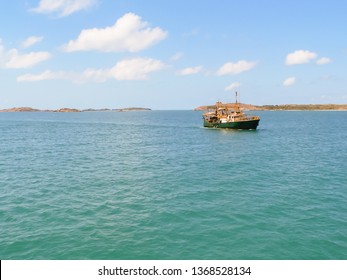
(156,185)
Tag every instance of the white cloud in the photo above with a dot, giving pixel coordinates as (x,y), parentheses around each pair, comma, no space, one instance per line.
(31,41)
(300,57)
(176,56)
(63,7)
(13,59)
(93,75)
(129,69)
(47,75)
(17,60)
(232,86)
(236,68)
(129,33)
(135,68)
(289,81)
(2,54)
(189,71)
(323,60)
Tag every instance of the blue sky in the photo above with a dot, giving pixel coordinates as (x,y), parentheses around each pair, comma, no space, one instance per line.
(171,54)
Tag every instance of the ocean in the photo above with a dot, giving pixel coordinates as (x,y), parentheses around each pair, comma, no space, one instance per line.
(157,185)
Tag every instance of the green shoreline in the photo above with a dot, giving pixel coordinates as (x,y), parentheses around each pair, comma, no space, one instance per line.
(286,107)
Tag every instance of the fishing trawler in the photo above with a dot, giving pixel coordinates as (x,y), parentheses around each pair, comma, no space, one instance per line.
(231,117)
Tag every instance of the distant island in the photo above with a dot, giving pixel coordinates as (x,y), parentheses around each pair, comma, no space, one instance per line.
(71,110)
(132,109)
(245,107)
(286,107)
(29,109)
(117,110)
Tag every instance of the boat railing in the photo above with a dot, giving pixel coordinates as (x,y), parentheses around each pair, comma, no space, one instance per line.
(247,118)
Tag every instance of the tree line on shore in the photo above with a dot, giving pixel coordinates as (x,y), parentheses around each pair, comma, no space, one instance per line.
(285,107)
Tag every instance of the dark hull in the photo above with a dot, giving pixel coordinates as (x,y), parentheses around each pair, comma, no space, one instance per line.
(249,124)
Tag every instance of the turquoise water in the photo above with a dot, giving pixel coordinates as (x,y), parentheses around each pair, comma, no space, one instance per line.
(156,185)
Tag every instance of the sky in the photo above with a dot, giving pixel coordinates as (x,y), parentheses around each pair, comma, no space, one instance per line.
(169,55)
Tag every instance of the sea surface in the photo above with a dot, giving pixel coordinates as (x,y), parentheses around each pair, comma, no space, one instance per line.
(157,185)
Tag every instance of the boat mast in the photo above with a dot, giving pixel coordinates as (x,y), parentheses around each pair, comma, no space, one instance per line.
(236,103)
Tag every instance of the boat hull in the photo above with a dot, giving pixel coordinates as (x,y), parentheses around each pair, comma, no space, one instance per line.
(249,124)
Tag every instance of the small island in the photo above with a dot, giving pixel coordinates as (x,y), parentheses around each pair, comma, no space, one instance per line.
(20,109)
(132,109)
(70,110)
(29,109)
